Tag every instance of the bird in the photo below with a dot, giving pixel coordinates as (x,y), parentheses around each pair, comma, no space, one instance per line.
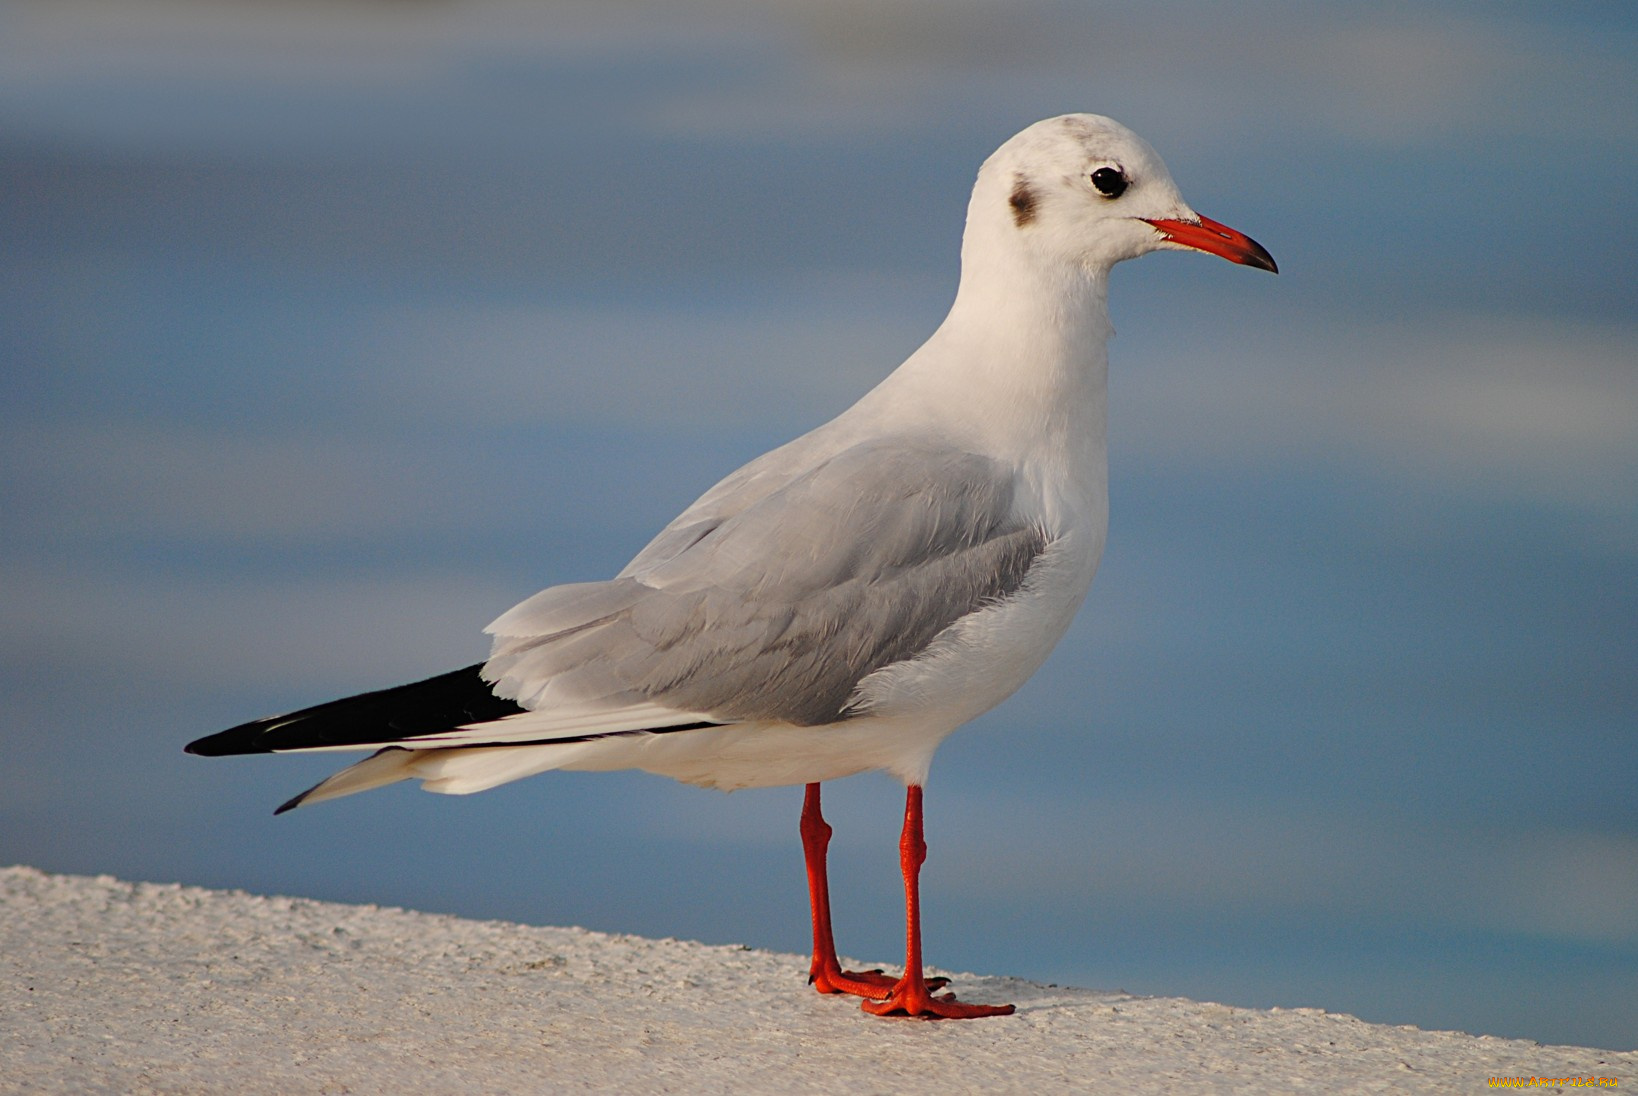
(844,602)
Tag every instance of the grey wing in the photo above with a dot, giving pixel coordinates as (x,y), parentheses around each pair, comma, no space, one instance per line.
(776,611)
(737,492)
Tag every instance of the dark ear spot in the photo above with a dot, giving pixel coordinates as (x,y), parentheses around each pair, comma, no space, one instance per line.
(1022,201)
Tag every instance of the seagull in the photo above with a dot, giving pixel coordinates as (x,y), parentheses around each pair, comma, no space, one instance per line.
(844,602)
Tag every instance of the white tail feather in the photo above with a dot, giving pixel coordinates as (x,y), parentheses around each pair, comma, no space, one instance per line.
(379,769)
(455,771)
(478,768)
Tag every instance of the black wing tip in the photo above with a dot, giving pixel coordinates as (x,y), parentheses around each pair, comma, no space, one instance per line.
(235,740)
(206,747)
(457,698)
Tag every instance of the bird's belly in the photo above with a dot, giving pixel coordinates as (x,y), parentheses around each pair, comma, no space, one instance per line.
(760,755)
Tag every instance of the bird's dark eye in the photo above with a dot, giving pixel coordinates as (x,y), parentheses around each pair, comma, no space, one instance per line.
(1109,181)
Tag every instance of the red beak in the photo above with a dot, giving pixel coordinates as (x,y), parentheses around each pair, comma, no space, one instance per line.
(1218,239)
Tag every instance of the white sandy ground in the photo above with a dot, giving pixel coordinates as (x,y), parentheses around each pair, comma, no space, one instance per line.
(107,986)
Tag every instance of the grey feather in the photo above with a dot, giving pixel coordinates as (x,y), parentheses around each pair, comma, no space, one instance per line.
(775,595)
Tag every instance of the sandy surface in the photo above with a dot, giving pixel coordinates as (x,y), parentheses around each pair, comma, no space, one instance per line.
(139,987)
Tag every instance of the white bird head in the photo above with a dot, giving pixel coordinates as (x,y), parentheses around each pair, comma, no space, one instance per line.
(1083,190)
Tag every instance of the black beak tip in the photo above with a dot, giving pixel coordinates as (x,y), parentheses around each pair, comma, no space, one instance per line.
(1261,259)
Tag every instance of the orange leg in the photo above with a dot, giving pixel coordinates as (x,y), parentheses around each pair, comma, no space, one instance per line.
(913,995)
(826,973)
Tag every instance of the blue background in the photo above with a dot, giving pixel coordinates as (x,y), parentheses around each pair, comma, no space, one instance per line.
(330,331)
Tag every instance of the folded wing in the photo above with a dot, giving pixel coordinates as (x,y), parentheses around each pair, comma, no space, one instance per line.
(777,610)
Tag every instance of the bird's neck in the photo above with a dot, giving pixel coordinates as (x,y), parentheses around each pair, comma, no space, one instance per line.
(1021,362)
